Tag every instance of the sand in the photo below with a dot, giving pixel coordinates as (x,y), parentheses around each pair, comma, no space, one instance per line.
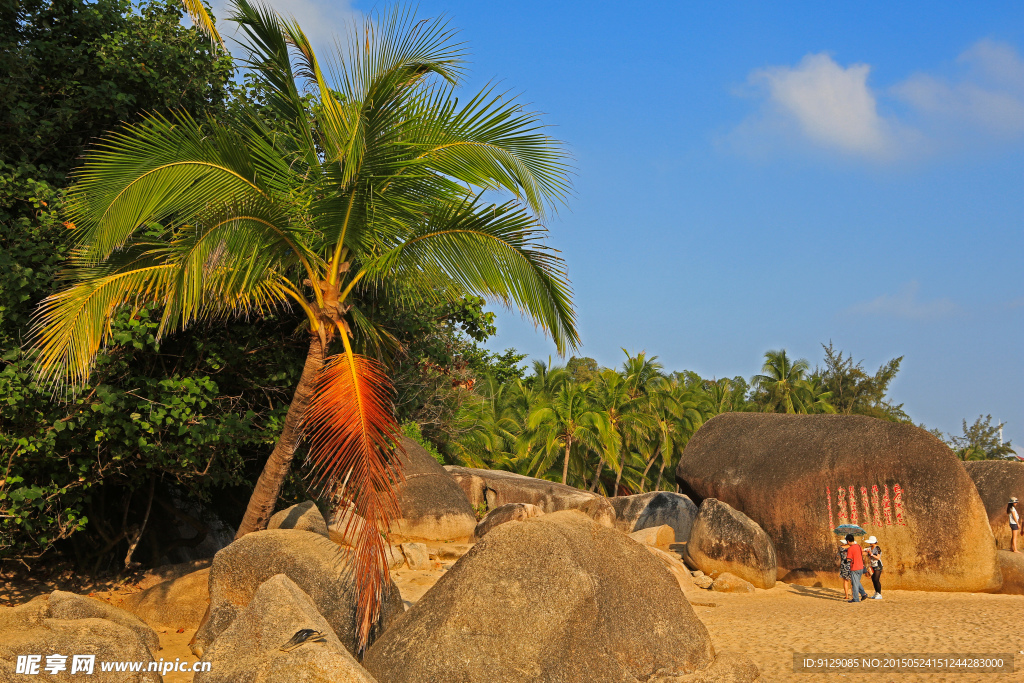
(770,625)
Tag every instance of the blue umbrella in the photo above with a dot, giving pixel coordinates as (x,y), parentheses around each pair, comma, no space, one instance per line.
(844,529)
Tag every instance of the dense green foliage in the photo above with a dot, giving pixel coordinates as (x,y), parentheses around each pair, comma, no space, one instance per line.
(980,441)
(620,431)
(71,70)
(163,431)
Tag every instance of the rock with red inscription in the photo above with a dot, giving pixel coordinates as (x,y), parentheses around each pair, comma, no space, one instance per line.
(800,476)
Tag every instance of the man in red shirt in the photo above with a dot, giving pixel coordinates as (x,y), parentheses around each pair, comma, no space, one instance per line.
(856,555)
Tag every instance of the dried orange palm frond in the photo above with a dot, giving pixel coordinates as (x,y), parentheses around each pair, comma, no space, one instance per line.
(352,436)
(202,20)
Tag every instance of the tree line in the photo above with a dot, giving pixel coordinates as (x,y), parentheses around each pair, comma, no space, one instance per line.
(620,431)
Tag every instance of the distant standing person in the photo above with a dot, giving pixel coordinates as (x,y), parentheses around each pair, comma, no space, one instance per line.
(875,566)
(856,555)
(844,567)
(1011,512)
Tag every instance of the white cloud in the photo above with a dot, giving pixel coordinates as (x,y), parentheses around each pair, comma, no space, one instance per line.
(824,105)
(322,21)
(987,95)
(832,105)
(905,304)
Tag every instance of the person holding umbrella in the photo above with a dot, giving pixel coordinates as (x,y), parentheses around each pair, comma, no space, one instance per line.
(844,567)
(856,555)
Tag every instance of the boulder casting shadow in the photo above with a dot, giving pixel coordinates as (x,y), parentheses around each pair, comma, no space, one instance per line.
(556,598)
(316,564)
(800,476)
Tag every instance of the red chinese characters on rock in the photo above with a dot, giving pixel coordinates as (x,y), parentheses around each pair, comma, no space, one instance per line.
(877,512)
(897,493)
(886,508)
(876,509)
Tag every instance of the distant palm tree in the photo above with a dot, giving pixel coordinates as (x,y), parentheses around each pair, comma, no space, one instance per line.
(678,412)
(780,381)
(812,397)
(567,425)
(628,422)
(639,371)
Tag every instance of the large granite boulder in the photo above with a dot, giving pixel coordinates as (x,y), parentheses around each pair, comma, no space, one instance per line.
(316,564)
(647,510)
(82,628)
(64,605)
(724,540)
(304,516)
(494,488)
(509,512)
(173,604)
(433,505)
(249,650)
(557,598)
(997,481)
(1012,568)
(799,476)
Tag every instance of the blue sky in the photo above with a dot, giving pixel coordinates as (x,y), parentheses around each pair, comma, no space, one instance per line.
(753,176)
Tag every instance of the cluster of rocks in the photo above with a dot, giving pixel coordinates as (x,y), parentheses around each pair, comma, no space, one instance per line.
(554,583)
(68,624)
(797,477)
(597,579)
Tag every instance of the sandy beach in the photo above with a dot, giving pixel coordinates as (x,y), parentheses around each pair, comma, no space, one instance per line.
(770,625)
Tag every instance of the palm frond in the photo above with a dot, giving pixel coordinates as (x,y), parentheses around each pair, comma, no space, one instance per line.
(492,251)
(163,169)
(71,326)
(492,143)
(202,20)
(352,436)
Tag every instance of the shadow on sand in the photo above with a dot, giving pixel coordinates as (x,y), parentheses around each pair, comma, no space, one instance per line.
(817,592)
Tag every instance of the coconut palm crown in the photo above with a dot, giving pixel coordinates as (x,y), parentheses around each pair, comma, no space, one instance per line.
(372,177)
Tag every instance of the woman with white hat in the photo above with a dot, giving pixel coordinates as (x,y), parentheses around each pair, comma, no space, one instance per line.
(874,553)
(1011,512)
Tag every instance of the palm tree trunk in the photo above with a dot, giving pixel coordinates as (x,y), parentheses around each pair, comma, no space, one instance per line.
(597,476)
(565,467)
(647,469)
(660,473)
(268,486)
(618,478)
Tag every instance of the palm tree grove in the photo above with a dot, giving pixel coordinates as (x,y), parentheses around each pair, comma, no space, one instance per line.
(254,418)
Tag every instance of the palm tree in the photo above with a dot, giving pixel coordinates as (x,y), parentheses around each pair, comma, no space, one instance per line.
(640,371)
(492,427)
(566,425)
(368,181)
(781,381)
(812,397)
(678,413)
(627,420)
